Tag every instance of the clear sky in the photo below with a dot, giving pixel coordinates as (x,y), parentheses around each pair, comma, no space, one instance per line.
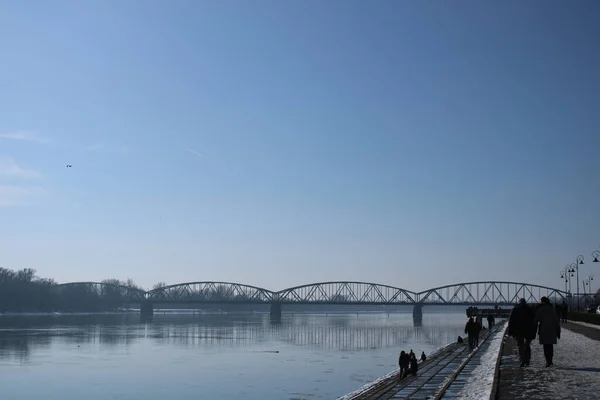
(277,143)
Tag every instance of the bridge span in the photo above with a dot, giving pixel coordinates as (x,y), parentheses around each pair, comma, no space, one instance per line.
(480,293)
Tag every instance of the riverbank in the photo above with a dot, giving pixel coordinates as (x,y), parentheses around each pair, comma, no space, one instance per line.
(453,369)
(381,384)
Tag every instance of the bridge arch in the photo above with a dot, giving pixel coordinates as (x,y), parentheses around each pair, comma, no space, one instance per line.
(489,292)
(345,292)
(210,291)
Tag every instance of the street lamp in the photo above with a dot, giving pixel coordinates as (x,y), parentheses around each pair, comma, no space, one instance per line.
(571,269)
(564,274)
(596,254)
(578,261)
(588,282)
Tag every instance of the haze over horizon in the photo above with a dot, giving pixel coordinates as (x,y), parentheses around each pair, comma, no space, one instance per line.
(275,144)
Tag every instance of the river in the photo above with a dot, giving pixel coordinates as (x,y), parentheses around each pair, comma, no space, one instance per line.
(208,356)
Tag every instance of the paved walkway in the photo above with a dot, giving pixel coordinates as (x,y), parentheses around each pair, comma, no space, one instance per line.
(575,375)
(429,380)
(476,379)
(590,332)
(434,377)
(388,385)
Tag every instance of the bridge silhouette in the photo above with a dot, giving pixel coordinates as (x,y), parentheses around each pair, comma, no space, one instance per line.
(480,293)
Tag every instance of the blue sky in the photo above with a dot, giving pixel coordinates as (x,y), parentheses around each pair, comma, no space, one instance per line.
(273,143)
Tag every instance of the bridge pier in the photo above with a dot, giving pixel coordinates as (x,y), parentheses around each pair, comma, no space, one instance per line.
(418,314)
(275,310)
(147,310)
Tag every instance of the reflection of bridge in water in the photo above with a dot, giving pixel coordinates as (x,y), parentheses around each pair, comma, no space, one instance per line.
(493,293)
(316,334)
(222,332)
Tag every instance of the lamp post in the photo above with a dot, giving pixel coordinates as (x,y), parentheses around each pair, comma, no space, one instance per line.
(588,282)
(578,261)
(564,274)
(596,254)
(571,268)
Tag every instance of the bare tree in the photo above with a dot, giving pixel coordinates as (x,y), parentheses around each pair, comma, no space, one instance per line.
(131,284)
(159,285)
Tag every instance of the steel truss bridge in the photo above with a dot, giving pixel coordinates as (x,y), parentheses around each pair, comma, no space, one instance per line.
(492,293)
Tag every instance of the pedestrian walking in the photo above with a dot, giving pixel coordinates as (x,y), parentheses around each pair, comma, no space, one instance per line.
(403,363)
(565,312)
(478,328)
(548,328)
(521,326)
(414,365)
(470,329)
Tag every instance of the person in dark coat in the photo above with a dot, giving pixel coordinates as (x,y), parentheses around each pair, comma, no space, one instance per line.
(423,357)
(522,328)
(548,328)
(414,365)
(478,328)
(403,363)
(565,312)
(470,329)
(490,320)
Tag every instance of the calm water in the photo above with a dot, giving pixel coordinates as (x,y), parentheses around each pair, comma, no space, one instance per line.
(219,356)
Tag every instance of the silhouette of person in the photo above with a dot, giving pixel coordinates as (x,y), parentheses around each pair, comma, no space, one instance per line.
(414,365)
(490,320)
(470,328)
(423,357)
(522,328)
(477,331)
(565,312)
(403,363)
(548,328)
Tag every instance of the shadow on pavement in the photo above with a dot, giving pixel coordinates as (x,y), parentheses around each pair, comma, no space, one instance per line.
(584,369)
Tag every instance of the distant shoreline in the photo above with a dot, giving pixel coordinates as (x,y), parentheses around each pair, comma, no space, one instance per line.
(217,312)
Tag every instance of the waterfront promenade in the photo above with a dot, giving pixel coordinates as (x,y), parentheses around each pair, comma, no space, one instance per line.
(443,375)
(575,374)
(493,371)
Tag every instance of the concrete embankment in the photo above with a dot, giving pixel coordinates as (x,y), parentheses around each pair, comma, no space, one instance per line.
(445,370)
(388,381)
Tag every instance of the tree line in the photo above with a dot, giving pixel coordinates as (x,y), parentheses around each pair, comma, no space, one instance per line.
(24,291)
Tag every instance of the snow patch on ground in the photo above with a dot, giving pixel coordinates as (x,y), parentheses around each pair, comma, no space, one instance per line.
(481,380)
(574,375)
(439,350)
(585,324)
(391,375)
(368,386)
